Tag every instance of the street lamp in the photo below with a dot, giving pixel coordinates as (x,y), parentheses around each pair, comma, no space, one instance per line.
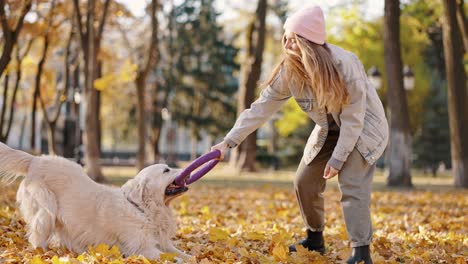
(165,114)
(375,77)
(408,78)
(78,112)
(77,97)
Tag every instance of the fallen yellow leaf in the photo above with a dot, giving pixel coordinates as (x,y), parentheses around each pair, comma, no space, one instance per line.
(255,236)
(168,256)
(217,234)
(280,252)
(37,260)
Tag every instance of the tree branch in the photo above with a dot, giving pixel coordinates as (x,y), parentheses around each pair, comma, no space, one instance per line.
(90,9)
(249,38)
(462,23)
(127,43)
(44,110)
(43,59)
(67,76)
(154,39)
(102,22)
(60,22)
(79,17)
(11,36)
(6,29)
(19,59)
(5,99)
(26,50)
(19,23)
(50,22)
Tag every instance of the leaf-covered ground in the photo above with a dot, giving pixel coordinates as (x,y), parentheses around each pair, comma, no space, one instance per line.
(255,224)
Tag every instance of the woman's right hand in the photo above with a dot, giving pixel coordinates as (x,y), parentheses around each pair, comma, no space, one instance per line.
(223,147)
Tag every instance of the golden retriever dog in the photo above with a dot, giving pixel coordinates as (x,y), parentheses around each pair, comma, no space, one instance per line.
(63,207)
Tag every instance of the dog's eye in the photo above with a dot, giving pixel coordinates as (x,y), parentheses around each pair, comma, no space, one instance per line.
(166,170)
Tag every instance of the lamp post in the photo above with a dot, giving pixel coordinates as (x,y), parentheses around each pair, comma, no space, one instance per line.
(77,97)
(375,77)
(408,78)
(78,112)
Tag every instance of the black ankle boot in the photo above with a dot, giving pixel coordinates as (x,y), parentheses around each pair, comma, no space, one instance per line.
(360,254)
(313,242)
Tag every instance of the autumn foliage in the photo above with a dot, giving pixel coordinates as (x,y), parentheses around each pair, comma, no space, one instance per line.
(255,224)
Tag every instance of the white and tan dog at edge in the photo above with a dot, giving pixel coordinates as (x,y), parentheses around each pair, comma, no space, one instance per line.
(63,207)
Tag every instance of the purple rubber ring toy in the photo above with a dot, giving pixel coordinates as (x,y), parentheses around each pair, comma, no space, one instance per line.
(209,159)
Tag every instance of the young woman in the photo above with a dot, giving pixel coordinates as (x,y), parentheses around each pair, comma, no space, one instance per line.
(351,131)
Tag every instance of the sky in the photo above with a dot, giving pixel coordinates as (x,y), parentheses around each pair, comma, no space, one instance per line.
(375,8)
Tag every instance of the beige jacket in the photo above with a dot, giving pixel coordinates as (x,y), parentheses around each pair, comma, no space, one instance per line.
(362,122)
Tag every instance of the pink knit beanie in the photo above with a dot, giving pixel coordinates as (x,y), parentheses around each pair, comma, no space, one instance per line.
(308,23)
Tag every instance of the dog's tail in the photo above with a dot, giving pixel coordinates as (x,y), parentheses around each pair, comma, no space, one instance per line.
(13,163)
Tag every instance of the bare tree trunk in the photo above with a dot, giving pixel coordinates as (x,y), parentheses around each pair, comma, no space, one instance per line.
(244,156)
(141,85)
(76,110)
(457,94)
(90,134)
(90,43)
(461,19)
(69,133)
(51,122)
(10,35)
(35,97)
(37,90)
(6,84)
(193,145)
(23,129)
(157,122)
(155,142)
(141,117)
(97,114)
(51,139)
(399,150)
(19,59)
(156,134)
(40,69)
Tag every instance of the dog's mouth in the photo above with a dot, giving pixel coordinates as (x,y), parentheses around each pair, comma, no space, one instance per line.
(173,191)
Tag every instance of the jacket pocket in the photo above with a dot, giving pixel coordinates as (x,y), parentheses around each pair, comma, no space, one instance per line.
(305,104)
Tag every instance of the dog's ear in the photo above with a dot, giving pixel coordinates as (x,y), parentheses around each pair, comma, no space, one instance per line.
(153,194)
(135,190)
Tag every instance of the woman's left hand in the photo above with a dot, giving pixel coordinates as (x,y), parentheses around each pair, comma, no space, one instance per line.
(330,172)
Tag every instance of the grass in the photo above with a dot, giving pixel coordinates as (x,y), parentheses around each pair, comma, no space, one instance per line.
(223,174)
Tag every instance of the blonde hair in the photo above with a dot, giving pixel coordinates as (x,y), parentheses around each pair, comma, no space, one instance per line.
(313,67)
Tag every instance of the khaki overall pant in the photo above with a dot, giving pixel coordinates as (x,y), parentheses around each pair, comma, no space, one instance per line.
(355,181)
